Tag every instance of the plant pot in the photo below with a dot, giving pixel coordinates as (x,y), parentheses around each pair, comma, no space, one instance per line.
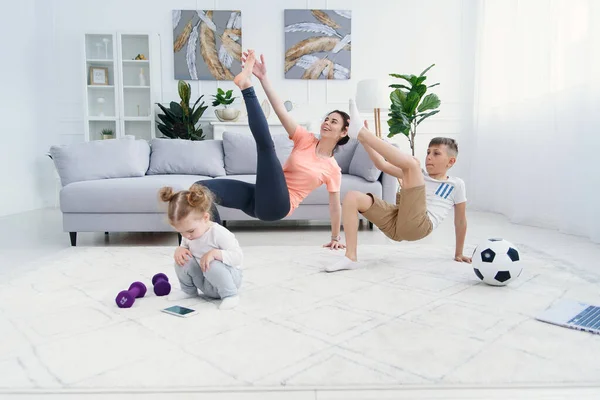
(104,137)
(227,114)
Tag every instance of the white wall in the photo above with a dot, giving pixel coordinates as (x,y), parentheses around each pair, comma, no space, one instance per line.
(388,36)
(46,74)
(27,130)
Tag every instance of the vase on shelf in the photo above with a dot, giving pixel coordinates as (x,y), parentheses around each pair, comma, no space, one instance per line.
(106,42)
(142,77)
(227,114)
(101,101)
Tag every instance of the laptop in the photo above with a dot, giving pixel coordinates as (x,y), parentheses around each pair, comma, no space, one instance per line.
(573,314)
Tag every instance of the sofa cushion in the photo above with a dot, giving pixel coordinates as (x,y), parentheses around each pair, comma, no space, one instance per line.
(122,195)
(240,151)
(320,196)
(101,159)
(186,157)
(349,183)
(343,154)
(362,165)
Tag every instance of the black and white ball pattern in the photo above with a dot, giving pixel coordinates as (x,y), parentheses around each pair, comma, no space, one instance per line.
(497,262)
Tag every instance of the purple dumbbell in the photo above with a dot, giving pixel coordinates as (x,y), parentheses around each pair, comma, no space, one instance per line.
(126,298)
(162,287)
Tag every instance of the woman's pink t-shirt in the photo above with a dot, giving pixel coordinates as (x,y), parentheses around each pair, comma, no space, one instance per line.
(304,171)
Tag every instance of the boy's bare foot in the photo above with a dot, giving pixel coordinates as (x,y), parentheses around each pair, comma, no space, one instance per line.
(243,79)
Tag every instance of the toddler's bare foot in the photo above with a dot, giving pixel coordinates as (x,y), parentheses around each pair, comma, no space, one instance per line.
(243,79)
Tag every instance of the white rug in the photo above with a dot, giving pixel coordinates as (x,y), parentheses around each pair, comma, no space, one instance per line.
(411,317)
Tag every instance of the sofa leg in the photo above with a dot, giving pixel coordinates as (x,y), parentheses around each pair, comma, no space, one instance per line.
(370,225)
(179,238)
(224,224)
(73,236)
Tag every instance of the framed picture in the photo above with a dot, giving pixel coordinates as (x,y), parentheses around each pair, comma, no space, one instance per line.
(98,76)
(207,44)
(318,44)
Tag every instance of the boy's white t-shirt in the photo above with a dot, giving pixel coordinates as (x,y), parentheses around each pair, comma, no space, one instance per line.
(216,237)
(442,196)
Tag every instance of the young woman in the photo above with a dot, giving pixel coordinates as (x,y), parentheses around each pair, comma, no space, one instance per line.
(278,190)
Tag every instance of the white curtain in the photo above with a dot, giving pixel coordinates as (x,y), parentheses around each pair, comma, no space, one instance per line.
(535,148)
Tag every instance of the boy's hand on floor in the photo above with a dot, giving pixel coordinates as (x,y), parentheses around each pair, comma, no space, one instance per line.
(182,255)
(462,258)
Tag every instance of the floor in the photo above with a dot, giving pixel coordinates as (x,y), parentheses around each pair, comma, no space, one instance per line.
(343,328)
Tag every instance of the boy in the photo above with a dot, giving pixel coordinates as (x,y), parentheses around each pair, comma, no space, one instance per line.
(422,204)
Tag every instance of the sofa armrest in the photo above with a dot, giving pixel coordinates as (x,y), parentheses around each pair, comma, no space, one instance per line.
(389,187)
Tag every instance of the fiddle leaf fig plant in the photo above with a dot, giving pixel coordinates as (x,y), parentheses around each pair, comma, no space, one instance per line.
(410,106)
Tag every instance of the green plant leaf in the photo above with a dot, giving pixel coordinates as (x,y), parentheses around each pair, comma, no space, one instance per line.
(396,128)
(184,90)
(228,94)
(197,114)
(435,84)
(398,97)
(411,103)
(399,86)
(420,90)
(427,115)
(176,110)
(430,102)
(426,69)
(405,77)
(220,91)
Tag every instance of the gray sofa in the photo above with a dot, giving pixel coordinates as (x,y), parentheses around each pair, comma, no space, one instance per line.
(112,185)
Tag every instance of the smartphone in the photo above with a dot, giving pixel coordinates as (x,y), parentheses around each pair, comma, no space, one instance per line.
(180,311)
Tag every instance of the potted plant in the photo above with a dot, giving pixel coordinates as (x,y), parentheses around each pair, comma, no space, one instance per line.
(107,133)
(225,99)
(179,120)
(409,108)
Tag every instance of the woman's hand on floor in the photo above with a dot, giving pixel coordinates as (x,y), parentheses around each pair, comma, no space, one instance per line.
(335,245)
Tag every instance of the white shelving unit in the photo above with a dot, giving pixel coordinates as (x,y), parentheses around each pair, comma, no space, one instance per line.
(126,103)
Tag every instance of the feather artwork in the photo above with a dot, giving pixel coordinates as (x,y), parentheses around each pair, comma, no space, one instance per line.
(183,37)
(309,46)
(323,18)
(316,69)
(340,72)
(313,28)
(235,21)
(209,51)
(225,58)
(319,49)
(207,20)
(207,44)
(341,44)
(190,56)
(230,43)
(344,13)
(176,18)
(234,34)
(330,70)
(306,61)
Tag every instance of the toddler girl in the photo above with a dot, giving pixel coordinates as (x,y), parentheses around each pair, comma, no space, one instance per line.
(209,257)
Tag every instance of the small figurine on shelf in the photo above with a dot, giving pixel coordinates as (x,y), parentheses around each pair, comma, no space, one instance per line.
(142,77)
(140,57)
(107,133)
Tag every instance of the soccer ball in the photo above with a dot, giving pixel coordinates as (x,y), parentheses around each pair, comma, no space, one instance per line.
(497,262)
